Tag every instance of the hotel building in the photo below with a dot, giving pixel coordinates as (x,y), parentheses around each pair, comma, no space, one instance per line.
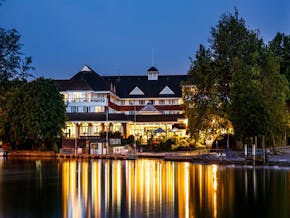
(142,106)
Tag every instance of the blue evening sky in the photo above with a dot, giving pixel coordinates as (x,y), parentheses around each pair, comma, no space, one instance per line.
(117,37)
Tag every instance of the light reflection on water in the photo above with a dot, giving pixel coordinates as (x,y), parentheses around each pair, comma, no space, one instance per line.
(146,188)
(141,188)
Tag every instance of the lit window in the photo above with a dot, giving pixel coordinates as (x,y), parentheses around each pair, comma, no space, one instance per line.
(98,109)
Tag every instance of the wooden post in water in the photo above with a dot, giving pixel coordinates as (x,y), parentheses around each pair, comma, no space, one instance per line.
(254,150)
(254,153)
(256,141)
(246,151)
(263,149)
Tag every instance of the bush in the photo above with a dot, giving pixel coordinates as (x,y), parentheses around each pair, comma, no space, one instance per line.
(130,139)
(181,145)
(55,147)
(164,145)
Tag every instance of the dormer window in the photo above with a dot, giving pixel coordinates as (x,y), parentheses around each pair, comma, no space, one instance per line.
(166,91)
(152,73)
(136,91)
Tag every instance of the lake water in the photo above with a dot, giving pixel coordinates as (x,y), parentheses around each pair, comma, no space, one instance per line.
(141,188)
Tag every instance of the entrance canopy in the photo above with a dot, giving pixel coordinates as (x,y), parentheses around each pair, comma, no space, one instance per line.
(159,130)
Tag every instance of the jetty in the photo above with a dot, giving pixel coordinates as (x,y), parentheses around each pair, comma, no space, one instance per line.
(281,157)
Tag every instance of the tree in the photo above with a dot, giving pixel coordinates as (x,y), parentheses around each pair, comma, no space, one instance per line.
(12,63)
(35,113)
(247,110)
(280,47)
(275,91)
(7,102)
(230,43)
(202,103)
(228,83)
(13,66)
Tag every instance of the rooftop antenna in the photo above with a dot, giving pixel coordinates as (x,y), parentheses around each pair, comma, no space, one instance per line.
(152,57)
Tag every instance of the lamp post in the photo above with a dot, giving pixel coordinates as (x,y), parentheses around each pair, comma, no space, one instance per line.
(134,128)
(107,136)
(76,137)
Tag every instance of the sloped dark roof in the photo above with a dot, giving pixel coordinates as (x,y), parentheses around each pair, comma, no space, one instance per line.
(85,75)
(152,69)
(84,80)
(151,88)
(90,80)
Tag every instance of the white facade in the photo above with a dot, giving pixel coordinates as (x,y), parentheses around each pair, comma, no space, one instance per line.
(85,101)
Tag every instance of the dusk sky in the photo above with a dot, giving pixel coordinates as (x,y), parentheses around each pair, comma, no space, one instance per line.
(116,37)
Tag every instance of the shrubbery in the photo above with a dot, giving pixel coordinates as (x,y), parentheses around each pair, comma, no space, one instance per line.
(172,144)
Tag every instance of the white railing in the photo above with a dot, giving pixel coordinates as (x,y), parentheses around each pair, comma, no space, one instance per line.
(69,100)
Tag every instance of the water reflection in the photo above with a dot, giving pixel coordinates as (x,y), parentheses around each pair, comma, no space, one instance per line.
(142,188)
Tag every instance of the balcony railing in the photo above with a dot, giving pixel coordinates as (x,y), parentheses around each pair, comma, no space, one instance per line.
(68,100)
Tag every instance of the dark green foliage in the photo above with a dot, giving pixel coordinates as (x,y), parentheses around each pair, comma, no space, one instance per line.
(280,47)
(221,142)
(12,63)
(164,146)
(275,91)
(34,113)
(130,139)
(117,135)
(124,141)
(167,144)
(237,81)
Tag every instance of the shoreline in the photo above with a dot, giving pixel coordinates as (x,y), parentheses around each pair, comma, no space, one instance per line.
(273,160)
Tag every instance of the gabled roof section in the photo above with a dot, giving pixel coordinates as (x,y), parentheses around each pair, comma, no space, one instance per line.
(86,73)
(152,69)
(124,86)
(86,79)
(150,88)
(149,109)
(86,68)
(136,91)
(166,91)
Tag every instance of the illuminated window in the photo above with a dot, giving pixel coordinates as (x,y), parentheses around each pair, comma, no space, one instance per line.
(70,131)
(117,127)
(97,128)
(98,109)
(84,128)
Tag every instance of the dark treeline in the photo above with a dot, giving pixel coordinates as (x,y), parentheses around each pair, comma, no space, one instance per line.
(239,84)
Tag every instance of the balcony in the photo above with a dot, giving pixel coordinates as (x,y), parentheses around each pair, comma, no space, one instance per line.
(96,99)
